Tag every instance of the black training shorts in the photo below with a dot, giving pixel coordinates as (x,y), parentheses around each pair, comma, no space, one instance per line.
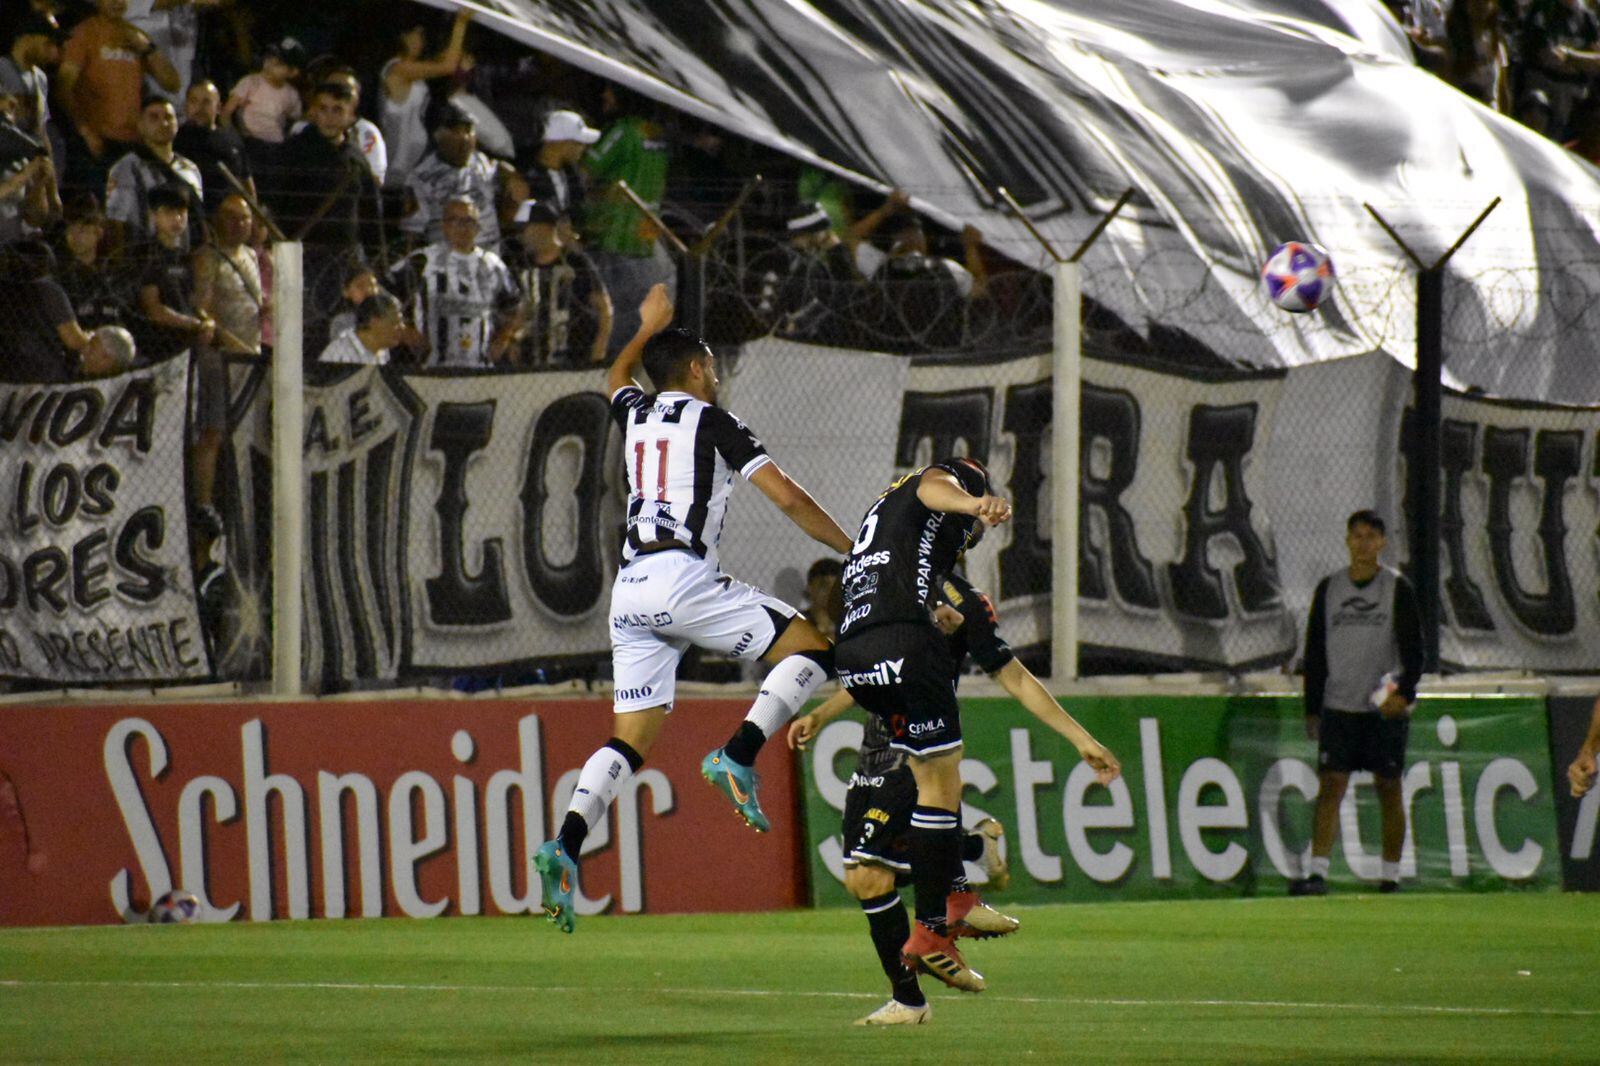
(1349,741)
(877,820)
(903,673)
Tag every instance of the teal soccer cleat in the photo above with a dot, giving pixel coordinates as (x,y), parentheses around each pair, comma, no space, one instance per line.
(739,784)
(559,875)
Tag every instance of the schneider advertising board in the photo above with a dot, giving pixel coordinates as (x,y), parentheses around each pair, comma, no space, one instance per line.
(1216,799)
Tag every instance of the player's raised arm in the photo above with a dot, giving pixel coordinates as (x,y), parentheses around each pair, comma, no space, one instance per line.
(797,504)
(938,490)
(1019,681)
(655,315)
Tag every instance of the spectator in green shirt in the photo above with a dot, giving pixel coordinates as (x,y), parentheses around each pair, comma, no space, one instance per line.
(619,237)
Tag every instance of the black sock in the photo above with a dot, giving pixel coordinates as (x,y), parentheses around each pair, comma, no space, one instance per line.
(573,831)
(972,847)
(886,918)
(745,743)
(935,861)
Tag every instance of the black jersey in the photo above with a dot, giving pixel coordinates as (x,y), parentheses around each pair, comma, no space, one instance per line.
(902,545)
(979,636)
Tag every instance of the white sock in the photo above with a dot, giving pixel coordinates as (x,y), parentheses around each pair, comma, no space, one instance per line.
(1391,870)
(1319,866)
(598,784)
(784,692)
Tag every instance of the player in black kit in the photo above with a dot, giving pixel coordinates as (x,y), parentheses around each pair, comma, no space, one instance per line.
(877,813)
(896,664)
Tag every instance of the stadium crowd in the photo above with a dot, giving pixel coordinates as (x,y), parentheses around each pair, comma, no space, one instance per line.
(152,150)
(438,161)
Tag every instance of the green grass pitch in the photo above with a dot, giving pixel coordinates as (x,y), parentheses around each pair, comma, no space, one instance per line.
(1403,979)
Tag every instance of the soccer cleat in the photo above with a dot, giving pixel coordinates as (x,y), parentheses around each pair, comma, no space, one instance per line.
(739,784)
(559,875)
(1388,887)
(983,922)
(896,1013)
(997,875)
(936,956)
(1314,885)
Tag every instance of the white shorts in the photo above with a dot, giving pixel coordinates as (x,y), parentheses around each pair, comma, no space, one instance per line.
(665,601)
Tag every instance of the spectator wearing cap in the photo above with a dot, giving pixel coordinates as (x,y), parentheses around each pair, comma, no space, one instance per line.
(101,76)
(35,317)
(211,145)
(28,198)
(151,164)
(101,295)
(456,168)
(403,98)
(494,137)
(35,46)
(555,179)
(266,103)
(376,328)
(364,133)
(621,237)
(566,314)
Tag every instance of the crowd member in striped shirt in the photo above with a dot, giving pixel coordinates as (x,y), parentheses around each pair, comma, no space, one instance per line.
(682,452)
(461,297)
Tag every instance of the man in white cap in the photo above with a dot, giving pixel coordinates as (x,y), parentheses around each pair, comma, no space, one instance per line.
(555,179)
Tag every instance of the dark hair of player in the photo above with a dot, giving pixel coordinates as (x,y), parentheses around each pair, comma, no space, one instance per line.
(1365,518)
(668,354)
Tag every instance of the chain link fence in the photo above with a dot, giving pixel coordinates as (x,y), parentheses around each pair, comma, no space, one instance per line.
(462,525)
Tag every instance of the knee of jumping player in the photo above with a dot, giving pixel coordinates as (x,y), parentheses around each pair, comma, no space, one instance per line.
(867,882)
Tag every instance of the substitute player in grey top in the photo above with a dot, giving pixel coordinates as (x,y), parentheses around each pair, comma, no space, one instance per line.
(681,453)
(1363,660)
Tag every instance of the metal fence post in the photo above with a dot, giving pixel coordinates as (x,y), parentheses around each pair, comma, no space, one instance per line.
(1064,466)
(288,481)
(1427,384)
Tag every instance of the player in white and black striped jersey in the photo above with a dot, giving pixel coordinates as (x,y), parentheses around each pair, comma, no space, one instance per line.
(461,297)
(682,452)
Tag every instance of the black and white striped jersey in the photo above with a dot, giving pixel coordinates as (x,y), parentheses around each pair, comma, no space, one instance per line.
(681,455)
(455,299)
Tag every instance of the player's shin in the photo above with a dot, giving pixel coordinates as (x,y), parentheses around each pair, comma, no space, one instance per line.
(601,778)
(784,692)
(890,927)
(935,862)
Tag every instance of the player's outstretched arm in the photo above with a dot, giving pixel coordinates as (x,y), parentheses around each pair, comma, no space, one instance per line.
(1582,772)
(655,315)
(798,506)
(1019,681)
(938,490)
(803,730)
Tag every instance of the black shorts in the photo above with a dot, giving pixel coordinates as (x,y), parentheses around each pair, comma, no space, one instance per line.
(1350,741)
(877,820)
(902,673)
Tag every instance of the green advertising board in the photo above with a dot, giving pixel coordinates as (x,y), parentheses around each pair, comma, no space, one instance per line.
(1216,798)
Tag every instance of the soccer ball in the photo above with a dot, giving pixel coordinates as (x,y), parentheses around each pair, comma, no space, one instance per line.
(1298,276)
(176,907)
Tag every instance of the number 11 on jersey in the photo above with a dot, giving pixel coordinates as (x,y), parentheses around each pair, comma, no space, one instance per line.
(661,468)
